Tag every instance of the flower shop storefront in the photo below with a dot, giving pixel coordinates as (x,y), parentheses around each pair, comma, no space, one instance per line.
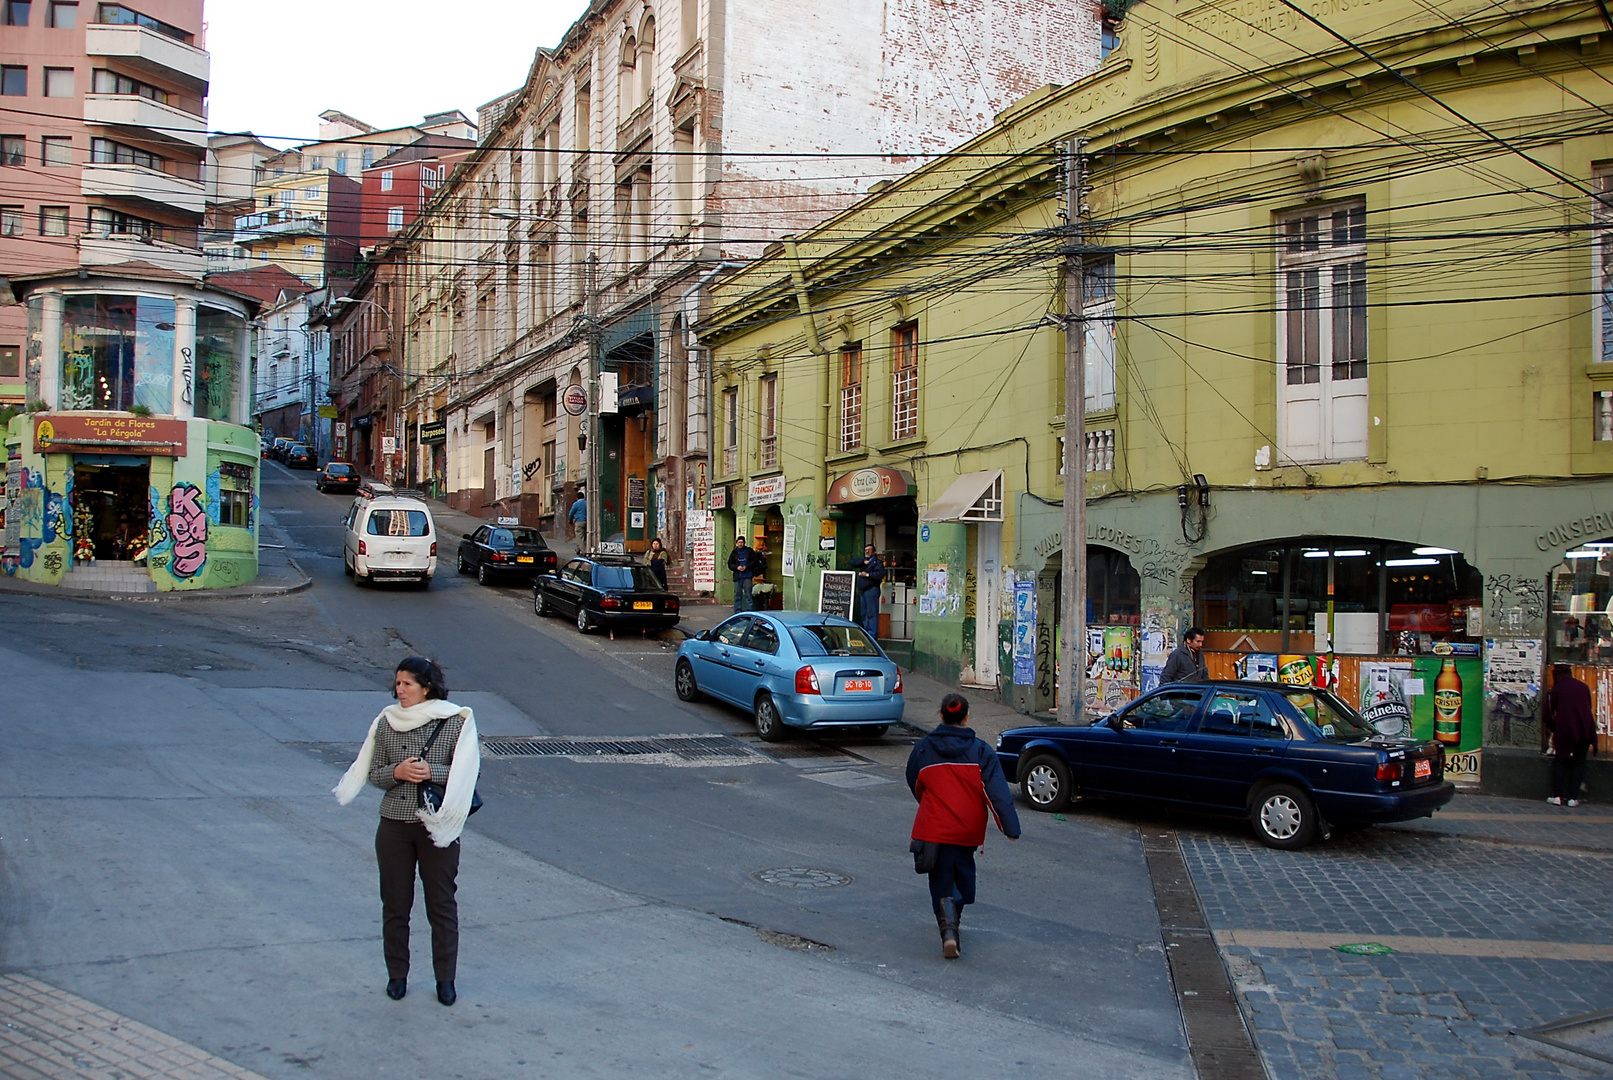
(1441,615)
(133,468)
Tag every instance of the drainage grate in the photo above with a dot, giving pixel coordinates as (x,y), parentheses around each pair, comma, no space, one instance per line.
(686,747)
(801,877)
(1217,1037)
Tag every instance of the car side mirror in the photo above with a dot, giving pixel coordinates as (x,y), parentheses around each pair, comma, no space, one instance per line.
(1114,721)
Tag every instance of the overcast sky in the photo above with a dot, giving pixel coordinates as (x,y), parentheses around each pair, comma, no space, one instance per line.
(386,62)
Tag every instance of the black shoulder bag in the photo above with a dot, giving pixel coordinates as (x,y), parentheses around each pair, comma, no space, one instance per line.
(431,794)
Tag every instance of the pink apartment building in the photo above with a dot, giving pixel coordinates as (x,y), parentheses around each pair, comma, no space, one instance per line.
(103,133)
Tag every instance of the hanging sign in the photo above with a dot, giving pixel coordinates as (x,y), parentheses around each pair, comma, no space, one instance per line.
(718,498)
(765,492)
(574,400)
(433,431)
(874,482)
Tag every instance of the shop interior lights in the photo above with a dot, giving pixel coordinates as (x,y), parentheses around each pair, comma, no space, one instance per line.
(1351,553)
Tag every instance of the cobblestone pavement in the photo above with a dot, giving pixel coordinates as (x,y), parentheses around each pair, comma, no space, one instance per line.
(49,1034)
(1493,931)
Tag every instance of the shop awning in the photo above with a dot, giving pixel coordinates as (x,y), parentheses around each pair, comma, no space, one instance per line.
(976,496)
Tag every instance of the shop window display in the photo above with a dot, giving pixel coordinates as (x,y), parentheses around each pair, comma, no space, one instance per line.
(1581,620)
(117,352)
(1388,598)
(235,494)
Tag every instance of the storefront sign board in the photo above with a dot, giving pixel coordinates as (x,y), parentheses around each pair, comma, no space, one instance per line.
(836,591)
(434,431)
(718,498)
(768,491)
(55,433)
(874,482)
(702,538)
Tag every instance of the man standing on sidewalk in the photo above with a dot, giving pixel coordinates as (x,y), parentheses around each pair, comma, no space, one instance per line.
(870,576)
(1186,664)
(1573,733)
(743,564)
(578,516)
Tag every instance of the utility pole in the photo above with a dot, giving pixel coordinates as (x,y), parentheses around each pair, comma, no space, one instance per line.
(1073,591)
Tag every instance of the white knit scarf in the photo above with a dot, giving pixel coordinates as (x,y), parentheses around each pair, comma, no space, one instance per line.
(449,820)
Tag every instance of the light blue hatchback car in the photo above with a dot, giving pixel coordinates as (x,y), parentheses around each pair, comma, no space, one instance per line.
(793,669)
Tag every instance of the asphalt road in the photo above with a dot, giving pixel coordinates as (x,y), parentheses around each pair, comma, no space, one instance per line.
(185,751)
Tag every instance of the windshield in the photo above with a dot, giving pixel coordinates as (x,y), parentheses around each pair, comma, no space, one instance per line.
(831,640)
(1328,716)
(398,523)
(637,578)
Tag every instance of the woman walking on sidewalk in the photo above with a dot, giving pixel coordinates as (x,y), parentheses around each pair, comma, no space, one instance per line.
(956,778)
(424,753)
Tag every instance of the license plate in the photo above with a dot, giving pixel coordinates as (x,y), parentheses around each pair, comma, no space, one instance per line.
(1423,769)
(397,556)
(523,558)
(643,605)
(858,686)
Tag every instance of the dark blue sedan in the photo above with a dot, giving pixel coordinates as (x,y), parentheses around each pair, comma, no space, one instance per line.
(1296,760)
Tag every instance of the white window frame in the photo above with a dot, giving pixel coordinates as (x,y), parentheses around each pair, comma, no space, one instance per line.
(1322,413)
(767,392)
(386,179)
(905,383)
(851,400)
(394,218)
(1098,313)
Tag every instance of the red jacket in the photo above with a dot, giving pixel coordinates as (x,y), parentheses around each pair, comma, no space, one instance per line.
(957,780)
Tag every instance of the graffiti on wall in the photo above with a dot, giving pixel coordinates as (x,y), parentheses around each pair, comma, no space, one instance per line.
(187,372)
(1515,602)
(41,518)
(187,524)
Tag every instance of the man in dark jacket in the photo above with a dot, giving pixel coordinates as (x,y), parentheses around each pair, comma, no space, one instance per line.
(1573,733)
(744,564)
(1186,664)
(870,576)
(956,778)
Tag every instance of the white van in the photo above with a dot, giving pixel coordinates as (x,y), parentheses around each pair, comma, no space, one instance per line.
(389,537)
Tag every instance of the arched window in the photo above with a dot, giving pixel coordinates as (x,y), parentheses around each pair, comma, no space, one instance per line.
(646,59)
(627,78)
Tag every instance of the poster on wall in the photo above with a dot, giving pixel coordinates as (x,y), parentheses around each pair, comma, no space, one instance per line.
(787,566)
(1450,710)
(1512,680)
(937,580)
(1258,667)
(702,534)
(1111,680)
(1386,691)
(1024,632)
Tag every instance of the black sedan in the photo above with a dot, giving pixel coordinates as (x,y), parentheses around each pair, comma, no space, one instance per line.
(299,456)
(1296,760)
(336,476)
(605,591)
(495,551)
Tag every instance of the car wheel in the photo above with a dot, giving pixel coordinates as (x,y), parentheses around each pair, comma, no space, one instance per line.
(875,731)
(1283,817)
(540,606)
(1046,783)
(482,576)
(423,583)
(584,623)
(683,681)
(347,567)
(769,724)
(464,567)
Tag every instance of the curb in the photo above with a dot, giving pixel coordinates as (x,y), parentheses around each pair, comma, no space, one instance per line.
(242,592)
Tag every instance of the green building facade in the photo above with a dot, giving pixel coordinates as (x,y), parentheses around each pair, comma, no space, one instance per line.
(1349,397)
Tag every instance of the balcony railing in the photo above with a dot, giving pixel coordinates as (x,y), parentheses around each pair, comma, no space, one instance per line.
(147,50)
(145,185)
(274,223)
(1101,450)
(152,119)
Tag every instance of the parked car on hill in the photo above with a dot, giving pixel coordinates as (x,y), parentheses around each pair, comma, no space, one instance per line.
(1295,759)
(495,551)
(793,669)
(605,590)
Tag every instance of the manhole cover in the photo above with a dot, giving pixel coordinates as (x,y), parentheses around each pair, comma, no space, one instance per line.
(801,877)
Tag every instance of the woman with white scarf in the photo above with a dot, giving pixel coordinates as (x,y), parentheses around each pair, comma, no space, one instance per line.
(396,758)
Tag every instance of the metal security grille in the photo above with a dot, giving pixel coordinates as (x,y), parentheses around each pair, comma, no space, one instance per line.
(687,747)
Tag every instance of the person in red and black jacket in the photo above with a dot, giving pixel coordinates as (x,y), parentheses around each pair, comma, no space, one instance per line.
(956,778)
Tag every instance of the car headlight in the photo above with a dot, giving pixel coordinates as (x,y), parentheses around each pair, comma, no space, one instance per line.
(999,742)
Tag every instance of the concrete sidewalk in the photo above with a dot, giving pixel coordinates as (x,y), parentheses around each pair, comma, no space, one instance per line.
(278,575)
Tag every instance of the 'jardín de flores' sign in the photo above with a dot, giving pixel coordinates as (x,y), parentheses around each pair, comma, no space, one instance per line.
(104,433)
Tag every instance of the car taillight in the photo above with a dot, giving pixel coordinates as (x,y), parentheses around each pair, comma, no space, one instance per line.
(806,681)
(433,549)
(672,603)
(1389,770)
(498,556)
(611,602)
(362,550)
(897,689)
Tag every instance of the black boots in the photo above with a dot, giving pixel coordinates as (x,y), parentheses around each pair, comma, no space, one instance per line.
(396,988)
(946,918)
(445,992)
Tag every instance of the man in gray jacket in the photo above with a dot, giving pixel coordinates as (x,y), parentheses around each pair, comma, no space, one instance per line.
(1186,664)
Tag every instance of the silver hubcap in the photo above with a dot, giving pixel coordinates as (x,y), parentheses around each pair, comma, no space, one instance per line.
(1280,817)
(582,619)
(685,679)
(764,716)
(1042,785)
